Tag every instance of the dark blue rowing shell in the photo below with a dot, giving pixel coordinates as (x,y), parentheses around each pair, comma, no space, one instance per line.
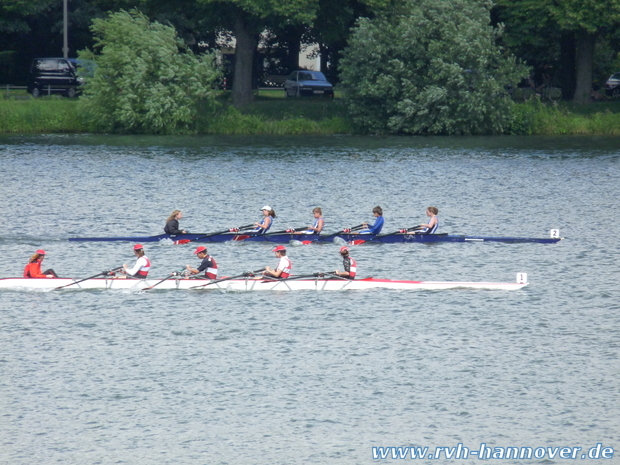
(286,237)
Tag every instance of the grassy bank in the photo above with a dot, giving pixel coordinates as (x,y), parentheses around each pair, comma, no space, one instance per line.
(565,118)
(272,114)
(45,115)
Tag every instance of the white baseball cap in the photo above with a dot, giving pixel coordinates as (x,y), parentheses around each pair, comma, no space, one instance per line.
(266,207)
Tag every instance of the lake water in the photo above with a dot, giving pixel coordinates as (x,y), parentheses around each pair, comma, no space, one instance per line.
(178,377)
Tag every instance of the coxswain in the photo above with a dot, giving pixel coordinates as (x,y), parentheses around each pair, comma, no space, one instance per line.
(33,268)
(265,223)
(172,223)
(208,264)
(142,266)
(348,263)
(432,225)
(376,227)
(318,224)
(284,267)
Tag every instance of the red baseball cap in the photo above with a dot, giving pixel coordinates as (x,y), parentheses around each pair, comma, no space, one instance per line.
(40,252)
(279,248)
(343,248)
(199,249)
(138,247)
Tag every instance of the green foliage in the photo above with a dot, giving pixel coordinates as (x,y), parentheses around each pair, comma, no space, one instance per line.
(233,121)
(431,68)
(535,118)
(297,11)
(13,13)
(588,15)
(145,80)
(44,115)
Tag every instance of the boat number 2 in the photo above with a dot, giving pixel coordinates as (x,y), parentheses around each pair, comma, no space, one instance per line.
(554,233)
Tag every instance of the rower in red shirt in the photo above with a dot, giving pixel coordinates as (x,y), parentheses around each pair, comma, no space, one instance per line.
(33,268)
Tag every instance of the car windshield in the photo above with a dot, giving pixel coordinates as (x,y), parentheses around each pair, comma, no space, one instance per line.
(315,76)
(615,77)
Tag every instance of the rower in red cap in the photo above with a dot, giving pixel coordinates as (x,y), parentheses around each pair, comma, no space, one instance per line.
(283,270)
(208,264)
(33,268)
(142,266)
(349,264)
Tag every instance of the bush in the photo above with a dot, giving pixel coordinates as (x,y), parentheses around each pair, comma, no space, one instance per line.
(432,67)
(143,79)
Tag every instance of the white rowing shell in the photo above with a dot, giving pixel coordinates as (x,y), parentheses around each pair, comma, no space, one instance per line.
(254,284)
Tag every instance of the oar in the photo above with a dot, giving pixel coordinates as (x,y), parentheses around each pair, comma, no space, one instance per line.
(91,277)
(289,230)
(284,231)
(400,231)
(322,238)
(240,228)
(247,273)
(301,276)
(331,274)
(174,273)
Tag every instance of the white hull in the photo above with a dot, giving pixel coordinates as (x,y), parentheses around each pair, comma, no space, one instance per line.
(249,284)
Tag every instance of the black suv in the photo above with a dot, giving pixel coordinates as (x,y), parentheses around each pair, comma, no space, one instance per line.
(53,75)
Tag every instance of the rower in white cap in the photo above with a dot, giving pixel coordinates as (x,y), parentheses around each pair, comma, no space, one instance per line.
(263,226)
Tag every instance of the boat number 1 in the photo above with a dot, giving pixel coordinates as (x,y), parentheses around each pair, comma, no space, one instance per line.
(554,233)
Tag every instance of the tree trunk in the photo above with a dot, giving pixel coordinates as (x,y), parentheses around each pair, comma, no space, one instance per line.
(247,40)
(567,68)
(584,58)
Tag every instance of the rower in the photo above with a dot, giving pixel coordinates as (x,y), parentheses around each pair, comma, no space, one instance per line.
(376,227)
(33,268)
(348,263)
(318,224)
(142,266)
(263,226)
(283,270)
(172,223)
(432,225)
(208,264)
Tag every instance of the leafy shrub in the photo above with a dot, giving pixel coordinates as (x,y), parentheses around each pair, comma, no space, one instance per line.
(430,67)
(143,79)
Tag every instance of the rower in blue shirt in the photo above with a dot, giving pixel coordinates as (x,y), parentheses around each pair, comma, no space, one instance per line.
(263,226)
(376,227)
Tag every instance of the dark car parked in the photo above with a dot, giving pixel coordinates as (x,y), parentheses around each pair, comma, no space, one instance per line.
(612,86)
(53,76)
(307,83)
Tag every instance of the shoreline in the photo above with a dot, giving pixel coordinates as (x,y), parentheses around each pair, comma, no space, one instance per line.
(271,116)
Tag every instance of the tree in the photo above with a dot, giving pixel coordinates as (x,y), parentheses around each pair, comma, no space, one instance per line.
(430,67)
(144,80)
(580,22)
(248,18)
(333,24)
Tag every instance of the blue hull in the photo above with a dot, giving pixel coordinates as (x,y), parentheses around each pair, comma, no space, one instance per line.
(355,238)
